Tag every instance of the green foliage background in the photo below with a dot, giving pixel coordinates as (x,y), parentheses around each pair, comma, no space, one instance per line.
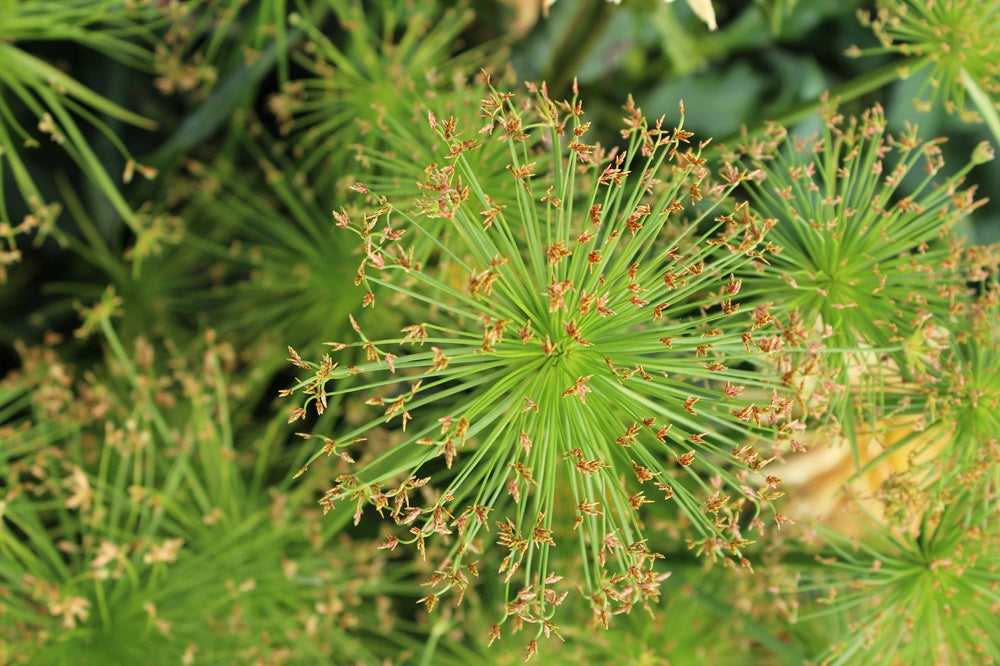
(168,172)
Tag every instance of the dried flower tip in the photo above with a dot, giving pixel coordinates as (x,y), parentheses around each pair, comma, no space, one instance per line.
(983,153)
(579,389)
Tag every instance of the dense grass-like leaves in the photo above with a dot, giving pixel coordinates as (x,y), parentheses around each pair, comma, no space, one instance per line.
(135,529)
(44,103)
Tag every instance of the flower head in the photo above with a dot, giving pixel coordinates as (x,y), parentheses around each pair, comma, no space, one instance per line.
(363,91)
(960,39)
(862,229)
(577,350)
(932,594)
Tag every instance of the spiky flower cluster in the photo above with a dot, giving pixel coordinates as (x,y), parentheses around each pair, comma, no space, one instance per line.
(864,230)
(959,39)
(577,350)
(929,596)
(366,84)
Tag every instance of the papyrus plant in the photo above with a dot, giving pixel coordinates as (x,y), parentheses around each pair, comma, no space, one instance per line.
(928,596)
(136,528)
(43,103)
(577,350)
(369,68)
(959,40)
(274,268)
(865,222)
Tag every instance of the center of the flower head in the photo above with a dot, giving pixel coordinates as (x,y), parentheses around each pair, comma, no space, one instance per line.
(830,283)
(565,343)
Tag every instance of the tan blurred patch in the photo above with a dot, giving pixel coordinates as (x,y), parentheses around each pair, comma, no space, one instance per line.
(526,13)
(703,10)
(823,484)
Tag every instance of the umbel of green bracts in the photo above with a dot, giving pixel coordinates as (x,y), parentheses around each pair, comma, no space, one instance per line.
(365,87)
(861,247)
(932,594)
(577,344)
(957,41)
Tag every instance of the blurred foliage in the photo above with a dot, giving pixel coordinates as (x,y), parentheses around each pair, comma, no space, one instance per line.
(172,175)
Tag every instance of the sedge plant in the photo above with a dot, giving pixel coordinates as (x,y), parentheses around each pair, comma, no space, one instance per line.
(581,347)
(135,529)
(958,40)
(268,273)
(369,73)
(43,103)
(864,220)
(897,599)
(569,365)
